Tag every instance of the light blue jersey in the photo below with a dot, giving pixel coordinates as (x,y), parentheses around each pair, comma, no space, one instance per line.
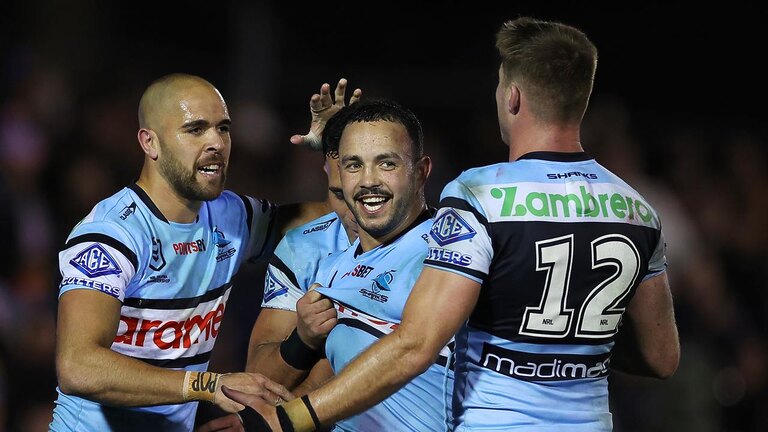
(173,281)
(293,267)
(369,291)
(559,245)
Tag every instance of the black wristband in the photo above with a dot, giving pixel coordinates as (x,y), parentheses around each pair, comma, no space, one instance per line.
(285,421)
(253,421)
(298,354)
(311,410)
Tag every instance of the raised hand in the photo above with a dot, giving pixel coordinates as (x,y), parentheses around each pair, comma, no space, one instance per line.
(323,108)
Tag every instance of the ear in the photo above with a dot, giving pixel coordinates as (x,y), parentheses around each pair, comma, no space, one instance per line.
(513,103)
(423,168)
(149,143)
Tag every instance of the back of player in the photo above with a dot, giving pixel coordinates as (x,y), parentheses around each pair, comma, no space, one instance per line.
(566,243)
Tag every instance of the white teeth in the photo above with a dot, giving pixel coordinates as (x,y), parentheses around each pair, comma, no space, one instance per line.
(373,200)
(373,203)
(210,168)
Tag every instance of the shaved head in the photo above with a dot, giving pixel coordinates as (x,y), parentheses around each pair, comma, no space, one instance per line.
(163,95)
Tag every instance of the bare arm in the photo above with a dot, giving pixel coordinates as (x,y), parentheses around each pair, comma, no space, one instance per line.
(87,324)
(648,343)
(87,367)
(271,328)
(314,319)
(439,304)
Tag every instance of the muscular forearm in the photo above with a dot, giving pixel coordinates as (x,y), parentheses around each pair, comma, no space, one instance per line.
(372,376)
(105,376)
(266,360)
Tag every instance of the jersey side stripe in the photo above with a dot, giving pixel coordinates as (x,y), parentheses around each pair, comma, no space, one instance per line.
(179,303)
(460,204)
(107,240)
(248,212)
(277,263)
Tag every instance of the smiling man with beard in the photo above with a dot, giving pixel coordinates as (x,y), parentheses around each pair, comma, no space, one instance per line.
(147,274)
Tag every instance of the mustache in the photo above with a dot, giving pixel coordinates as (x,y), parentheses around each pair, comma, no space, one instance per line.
(376,190)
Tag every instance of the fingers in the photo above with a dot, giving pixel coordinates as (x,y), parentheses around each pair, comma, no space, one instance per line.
(341,90)
(238,396)
(356,95)
(313,286)
(281,393)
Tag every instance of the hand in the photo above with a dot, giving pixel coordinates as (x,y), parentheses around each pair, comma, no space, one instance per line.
(323,108)
(268,412)
(227,423)
(316,317)
(254,384)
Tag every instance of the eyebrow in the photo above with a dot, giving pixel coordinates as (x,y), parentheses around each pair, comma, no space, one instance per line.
(204,123)
(388,155)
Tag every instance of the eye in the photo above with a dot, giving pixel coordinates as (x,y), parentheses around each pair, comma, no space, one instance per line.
(352,166)
(388,165)
(196,130)
(224,128)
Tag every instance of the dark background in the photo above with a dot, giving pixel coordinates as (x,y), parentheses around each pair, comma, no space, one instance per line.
(678,110)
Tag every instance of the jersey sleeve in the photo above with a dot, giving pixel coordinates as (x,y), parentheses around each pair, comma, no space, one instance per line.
(98,256)
(459,240)
(261,218)
(281,286)
(658,262)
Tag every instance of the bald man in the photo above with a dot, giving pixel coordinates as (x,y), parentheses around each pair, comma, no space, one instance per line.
(147,274)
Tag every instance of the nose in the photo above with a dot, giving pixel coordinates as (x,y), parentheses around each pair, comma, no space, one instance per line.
(369,177)
(216,142)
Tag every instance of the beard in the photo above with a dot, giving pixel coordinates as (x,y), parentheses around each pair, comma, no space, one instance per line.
(185,182)
(385,223)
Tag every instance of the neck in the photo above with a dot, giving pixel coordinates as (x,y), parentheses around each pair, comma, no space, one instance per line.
(544,137)
(171,205)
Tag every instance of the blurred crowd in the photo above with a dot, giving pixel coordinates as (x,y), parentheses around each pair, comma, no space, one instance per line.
(62,150)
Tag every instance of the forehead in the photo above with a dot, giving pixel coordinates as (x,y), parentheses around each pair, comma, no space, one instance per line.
(197,102)
(370,139)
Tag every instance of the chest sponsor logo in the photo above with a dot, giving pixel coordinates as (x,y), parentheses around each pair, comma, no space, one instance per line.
(544,367)
(127,211)
(320,226)
(95,261)
(448,256)
(170,334)
(103,287)
(187,248)
(360,270)
(157,261)
(450,228)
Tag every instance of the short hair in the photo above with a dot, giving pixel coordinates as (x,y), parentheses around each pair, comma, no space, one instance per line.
(553,63)
(371,110)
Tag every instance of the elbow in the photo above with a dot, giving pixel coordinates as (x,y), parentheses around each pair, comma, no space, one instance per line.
(415,357)
(72,377)
(665,365)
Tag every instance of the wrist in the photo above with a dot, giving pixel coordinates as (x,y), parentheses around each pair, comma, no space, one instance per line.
(298,415)
(298,354)
(200,386)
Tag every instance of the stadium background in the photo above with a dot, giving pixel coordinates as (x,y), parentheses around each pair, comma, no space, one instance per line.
(678,110)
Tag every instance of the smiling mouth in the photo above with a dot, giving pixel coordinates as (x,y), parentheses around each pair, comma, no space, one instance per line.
(373,203)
